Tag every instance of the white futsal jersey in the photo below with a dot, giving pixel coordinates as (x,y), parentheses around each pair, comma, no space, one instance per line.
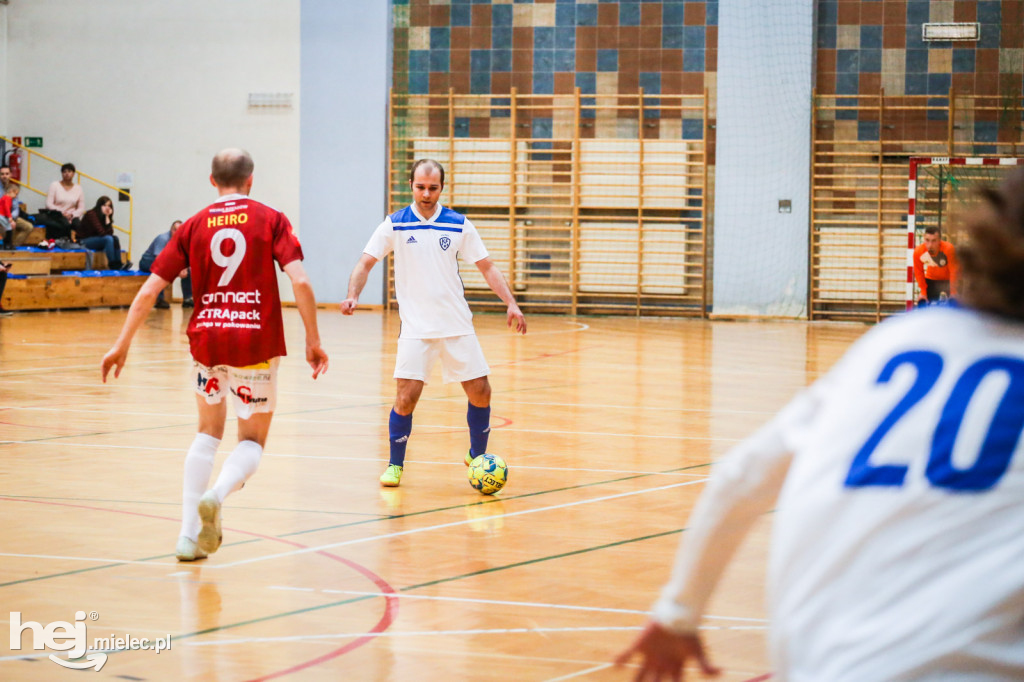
(431,298)
(898,547)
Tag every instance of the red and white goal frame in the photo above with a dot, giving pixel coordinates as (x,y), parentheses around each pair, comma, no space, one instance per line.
(915,162)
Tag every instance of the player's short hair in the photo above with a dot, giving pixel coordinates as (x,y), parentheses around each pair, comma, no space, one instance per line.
(13,186)
(931,229)
(68,167)
(4,165)
(430,163)
(231,167)
(992,258)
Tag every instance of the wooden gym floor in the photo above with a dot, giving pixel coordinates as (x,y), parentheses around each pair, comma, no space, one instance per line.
(608,424)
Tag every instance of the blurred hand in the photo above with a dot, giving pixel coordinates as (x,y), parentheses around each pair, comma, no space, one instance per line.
(665,654)
(317,359)
(516,315)
(348,306)
(115,358)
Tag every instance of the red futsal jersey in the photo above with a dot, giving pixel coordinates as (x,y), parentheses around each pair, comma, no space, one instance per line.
(232,246)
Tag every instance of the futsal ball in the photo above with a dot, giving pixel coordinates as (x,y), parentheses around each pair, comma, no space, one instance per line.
(487,473)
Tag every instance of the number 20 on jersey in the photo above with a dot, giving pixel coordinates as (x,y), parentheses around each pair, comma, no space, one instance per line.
(997,446)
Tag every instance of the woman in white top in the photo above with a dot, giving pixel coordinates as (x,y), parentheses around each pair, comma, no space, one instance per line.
(66,196)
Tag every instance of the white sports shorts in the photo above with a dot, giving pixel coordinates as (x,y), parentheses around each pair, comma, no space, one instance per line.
(462,358)
(253,389)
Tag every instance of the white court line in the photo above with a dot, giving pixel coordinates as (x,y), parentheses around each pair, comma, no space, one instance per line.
(425,633)
(414,633)
(512,429)
(447,427)
(467,600)
(581,673)
(27,408)
(503,334)
(642,408)
(340,458)
(76,368)
(83,558)
(499,602)
(452,524)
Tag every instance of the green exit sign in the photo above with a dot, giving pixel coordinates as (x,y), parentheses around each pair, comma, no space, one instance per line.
(33,142)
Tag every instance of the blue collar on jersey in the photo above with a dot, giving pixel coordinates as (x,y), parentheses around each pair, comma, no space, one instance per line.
(444,219)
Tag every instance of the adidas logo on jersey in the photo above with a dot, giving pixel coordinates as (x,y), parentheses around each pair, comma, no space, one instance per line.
(411,240)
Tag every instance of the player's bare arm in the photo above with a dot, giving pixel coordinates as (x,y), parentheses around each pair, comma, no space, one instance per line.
(356,283)
(305,300)
(665,653)
(141,305)
(496,281)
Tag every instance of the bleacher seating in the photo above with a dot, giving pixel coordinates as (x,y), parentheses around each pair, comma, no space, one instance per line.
(44,279)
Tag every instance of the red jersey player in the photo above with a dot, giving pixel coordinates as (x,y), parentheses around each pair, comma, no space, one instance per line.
(235,334)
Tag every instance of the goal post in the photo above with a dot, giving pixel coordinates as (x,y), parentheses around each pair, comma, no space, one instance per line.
(939,188)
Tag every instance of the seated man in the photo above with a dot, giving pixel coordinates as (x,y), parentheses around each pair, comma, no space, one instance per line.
(935,268)
(21,227)
(155,247)
(10,193)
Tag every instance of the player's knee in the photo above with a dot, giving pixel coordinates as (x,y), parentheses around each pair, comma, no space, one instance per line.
(479,391)
(405,402)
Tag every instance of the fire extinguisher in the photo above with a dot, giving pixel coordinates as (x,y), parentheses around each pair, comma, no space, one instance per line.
(14,163)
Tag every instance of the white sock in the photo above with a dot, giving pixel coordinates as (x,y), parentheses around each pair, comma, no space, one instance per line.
(239,466)
(198,467)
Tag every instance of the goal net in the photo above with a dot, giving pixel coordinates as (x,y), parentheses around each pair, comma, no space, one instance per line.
(941,190)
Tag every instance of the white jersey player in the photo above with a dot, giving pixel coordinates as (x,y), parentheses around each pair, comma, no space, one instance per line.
(427,239)
(899,478)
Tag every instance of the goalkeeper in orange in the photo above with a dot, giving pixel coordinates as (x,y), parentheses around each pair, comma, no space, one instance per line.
(935,268)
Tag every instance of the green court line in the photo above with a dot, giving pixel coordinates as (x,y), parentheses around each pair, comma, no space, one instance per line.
(492,501)
(354,523)
(353,600)
(538,560)
(263,619)
(96,568)
(178,504)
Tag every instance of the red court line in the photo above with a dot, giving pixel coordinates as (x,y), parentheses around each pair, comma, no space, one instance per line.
(760,678)
(390,610)
(505,422)
(542,356)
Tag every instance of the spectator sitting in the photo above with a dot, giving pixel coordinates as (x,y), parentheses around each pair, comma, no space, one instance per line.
(155,247)
(6,218)
(22,227)
(96,233)
(67,198)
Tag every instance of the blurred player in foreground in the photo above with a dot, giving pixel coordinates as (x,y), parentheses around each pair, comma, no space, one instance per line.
(427,240)
(898,547)
(235,334)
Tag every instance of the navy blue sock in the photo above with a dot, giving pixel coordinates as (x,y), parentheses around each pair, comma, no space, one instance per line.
(399,428)
(479,420)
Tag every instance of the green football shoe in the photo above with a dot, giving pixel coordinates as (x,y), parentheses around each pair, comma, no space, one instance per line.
(469,457)
(392,476)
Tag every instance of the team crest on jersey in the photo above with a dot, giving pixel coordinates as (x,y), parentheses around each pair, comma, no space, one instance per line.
(445,243)
(411,240)
(941,260)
